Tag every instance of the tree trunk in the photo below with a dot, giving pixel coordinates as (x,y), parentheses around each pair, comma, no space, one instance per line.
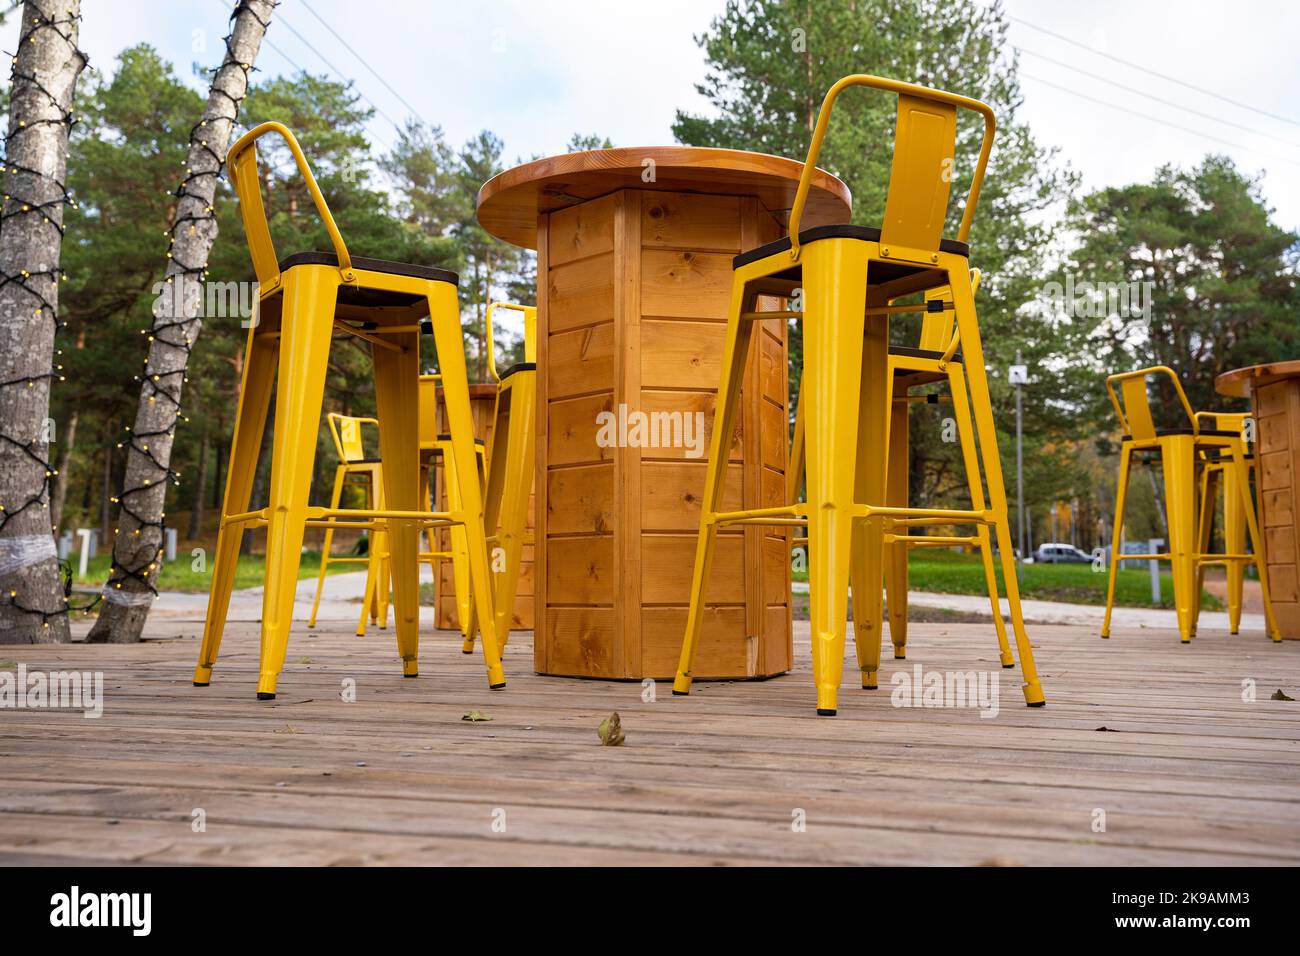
(45,71)
(138,545)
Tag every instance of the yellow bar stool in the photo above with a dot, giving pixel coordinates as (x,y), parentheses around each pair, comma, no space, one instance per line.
(355,468)
(933,360)
(850,275)
(511,464)
(1216,474)
(435,453)
(303,301)
(1181,450)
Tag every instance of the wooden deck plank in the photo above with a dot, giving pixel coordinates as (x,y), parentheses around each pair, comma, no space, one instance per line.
(1187,772)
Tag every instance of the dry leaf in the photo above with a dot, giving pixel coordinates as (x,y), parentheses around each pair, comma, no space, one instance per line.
(611,731)
(476,715)
(288,729)
(1278,695)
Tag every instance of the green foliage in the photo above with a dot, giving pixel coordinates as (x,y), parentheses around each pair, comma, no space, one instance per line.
(1222,274)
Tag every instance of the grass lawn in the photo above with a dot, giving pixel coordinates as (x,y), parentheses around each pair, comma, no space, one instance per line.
(179,575)
(950,572)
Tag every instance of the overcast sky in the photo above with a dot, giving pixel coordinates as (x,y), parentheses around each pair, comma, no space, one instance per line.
(536,72)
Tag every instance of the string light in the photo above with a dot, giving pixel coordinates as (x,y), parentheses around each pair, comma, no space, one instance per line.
(17,177)
(170,343)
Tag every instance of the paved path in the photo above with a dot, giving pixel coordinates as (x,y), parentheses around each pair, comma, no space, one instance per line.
(1083,615)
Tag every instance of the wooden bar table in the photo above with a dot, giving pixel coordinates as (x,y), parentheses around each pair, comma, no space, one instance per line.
(634,250)
(1274,391)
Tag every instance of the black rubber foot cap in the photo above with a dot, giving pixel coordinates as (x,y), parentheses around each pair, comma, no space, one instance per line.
(263,695)
(870,686)
(204,684)
(825,713)
(410,675)
(1007,666)
(1232,633)
(681,693)
(1041,703)
(463,651)
(496,686)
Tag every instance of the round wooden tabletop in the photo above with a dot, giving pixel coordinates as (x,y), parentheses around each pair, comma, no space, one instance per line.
(509,203)
(1240,381)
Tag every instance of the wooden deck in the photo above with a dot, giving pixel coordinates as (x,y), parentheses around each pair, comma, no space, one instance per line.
(1186,772)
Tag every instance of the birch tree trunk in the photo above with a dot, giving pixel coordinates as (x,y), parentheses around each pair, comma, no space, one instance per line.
(178,318)
(45,71)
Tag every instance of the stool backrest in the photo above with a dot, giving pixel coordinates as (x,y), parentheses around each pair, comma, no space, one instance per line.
(920,178)
(530,333)
(427,396)
(346,432)
(1134,412)
(242,163)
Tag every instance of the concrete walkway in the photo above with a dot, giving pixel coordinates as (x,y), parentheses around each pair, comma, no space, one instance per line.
(1084,615)
(339,601)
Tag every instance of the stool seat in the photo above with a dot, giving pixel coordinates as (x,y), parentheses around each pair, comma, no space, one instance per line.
(841,230)
(370,265)
(1203,433)
(373,298)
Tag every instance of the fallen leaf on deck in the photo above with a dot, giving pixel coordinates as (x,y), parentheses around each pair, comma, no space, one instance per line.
(1107,729)
(476,715)
(287,729)
(611,731)
(1278,695)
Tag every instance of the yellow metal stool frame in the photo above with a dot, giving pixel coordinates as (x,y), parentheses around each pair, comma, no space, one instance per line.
(302,303)
(1180,451)
(510,473)
(1216,474)
(436,448)
(933,360)
(845,391)
(345,431)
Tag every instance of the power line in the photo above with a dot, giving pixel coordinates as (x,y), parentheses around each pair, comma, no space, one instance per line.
(362,60)
(1152,96)
(1151,72)
(339,73)
(1156,119)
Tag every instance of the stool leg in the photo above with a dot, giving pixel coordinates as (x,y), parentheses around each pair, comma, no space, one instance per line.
(517,486)
(260,360)
(866,567)
(336,496)
(397,380)
(369,605)
(1234,542)
(459,559)
(970,461)
(1178,460)
(1116,537)
(973,354)
(735,351)
(445,313)
(835,279)
(309,298)
(1207,494)
(1241,477)
(896,496)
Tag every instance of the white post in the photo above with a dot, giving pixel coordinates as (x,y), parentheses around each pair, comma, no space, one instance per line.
(84,535)
(1154,545)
